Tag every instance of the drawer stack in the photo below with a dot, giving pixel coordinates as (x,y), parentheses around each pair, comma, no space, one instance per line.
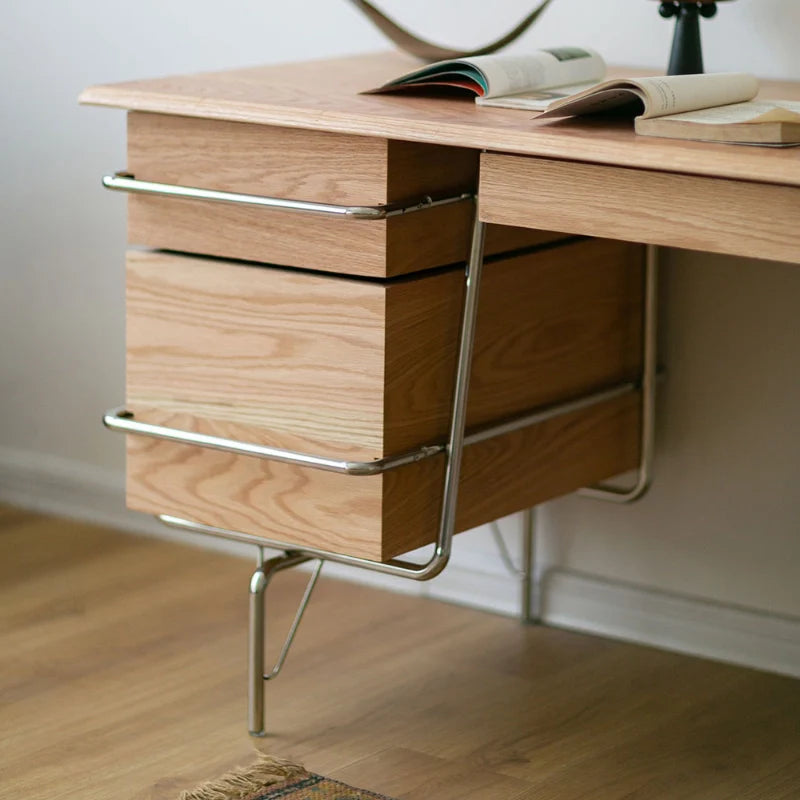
(338,337)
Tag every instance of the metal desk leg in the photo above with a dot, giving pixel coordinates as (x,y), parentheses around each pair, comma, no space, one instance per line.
(257,631)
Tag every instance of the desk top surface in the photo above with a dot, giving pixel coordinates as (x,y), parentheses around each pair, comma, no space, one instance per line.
(324,95)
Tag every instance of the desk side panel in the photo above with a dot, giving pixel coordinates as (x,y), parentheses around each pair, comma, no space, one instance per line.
(552,324)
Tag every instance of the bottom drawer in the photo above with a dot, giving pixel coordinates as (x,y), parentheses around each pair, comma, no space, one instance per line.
(381,516)
(363,370)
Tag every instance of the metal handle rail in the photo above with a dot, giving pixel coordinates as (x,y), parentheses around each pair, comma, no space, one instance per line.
(397,567)
(126,182)
(647,423)
(123,421)
(119,419)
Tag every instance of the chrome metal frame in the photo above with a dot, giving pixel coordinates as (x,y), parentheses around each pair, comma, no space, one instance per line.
(528,574)
(256,676)
(118,419)
(125,182)
(649,380)
(121,420)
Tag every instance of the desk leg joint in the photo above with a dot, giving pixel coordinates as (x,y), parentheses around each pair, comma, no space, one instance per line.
(257,630)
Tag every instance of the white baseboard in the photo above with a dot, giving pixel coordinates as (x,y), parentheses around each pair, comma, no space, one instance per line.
(688,625)
(475,577)
(76,490)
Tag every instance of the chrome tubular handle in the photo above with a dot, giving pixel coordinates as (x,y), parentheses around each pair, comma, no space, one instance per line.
(118,419)
(125,182)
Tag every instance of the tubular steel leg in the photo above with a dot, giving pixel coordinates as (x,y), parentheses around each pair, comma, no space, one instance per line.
(531,576)
(255,650)
(257,632)
(530,601)
(648,388)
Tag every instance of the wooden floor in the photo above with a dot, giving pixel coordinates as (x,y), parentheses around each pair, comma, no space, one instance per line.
(122,675)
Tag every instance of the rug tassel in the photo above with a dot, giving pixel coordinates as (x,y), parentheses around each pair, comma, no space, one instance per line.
(244,783)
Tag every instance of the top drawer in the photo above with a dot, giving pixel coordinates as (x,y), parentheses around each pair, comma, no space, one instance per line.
(311,166)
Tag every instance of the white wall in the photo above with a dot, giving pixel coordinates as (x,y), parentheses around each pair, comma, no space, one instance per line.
(723,519)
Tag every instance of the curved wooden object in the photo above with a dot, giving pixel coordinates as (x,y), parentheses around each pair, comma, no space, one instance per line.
(429,51)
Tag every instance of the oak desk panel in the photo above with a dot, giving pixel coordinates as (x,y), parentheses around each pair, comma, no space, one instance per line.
(719,216)
(310,166)
(381,516)
(323,95)
(358,369)
(364,369)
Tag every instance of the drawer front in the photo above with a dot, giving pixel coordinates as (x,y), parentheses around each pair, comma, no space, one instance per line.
(357,369)
(293,163)
(640,205)
(364,369)
(273,356)
(311,166)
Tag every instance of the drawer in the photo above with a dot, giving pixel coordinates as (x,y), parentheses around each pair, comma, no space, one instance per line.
(360,369)
(640,205)
(310,166)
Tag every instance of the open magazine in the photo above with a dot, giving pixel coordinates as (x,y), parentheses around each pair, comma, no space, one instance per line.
(530,81)
(717,108)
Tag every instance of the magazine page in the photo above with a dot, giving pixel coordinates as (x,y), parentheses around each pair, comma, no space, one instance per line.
(559,66)
(497,75)
(535,99)
(659,96)
(675,94)
(753,113)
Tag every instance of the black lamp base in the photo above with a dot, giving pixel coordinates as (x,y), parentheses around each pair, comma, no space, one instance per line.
(687,50)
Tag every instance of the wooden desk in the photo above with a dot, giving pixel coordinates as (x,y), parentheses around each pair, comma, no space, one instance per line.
(591,178)
(586,177)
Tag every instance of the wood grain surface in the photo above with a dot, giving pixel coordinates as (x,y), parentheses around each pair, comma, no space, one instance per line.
(263,160)
(275,356)
(722,216)
(357,369)
(381,516)
(314,166)
(551,324)
(323,95)
(362,369)
(123,676)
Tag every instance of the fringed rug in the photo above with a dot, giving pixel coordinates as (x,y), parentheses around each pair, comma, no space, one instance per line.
(275,779)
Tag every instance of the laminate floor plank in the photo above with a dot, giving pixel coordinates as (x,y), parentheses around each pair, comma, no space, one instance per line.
(123,675)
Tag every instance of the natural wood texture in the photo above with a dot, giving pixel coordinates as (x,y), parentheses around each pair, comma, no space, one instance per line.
(279,357)
(363,369)
(293,163)
(551,324)
(377,248)
(355,369)
(123,676)
(303,165)
(724,216)
(381,516)
(323,95)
